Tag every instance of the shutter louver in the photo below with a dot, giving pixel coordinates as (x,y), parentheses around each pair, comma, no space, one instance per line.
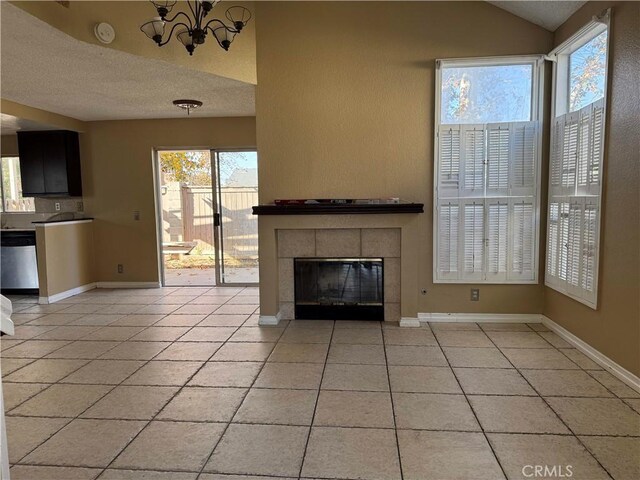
(498,153)
(553,244)
(569,152)
(473,240)
(524,156)
(574,243)
(589,248)
(497,231)
(583,153)
(474,158)
(597,143)
(563,240)
(449,161)
(557,142)
(448,226)
(523,240)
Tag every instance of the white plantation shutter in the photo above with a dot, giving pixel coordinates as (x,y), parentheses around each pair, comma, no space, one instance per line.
(553,242)
(523,240)
(498,158)
(597,147)
(524,143)
(449,158)
(555,169)
(588,278)
(569,152)
(497,239)
(574,199)
(574,245)
(448,227)
(563,240)
(487,202)
(473,239)
(473,141)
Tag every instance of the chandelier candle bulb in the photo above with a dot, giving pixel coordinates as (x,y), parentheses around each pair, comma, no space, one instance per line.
(190,27)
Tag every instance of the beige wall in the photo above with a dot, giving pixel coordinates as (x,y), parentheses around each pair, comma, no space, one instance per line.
(614,328)
(80,17)
(345,109)
(117,178)
(65,257)
(9,145)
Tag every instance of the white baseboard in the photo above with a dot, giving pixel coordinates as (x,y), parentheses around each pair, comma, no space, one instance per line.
(269,320)
(128,285)
(409,322)
(66,294)
(481,317)
(620,372)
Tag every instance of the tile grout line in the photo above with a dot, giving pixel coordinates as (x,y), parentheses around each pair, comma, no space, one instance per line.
(224,431)
(549,406)
(393,407)
(484,434)
(315,406)
(173,396)
(92,404)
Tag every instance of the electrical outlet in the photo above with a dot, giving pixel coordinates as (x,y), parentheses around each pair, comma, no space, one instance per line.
(80,206)
(57,206)
(120,268)
(136,215)
(475,294)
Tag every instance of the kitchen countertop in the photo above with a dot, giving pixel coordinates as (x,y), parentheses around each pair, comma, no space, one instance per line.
(44,222)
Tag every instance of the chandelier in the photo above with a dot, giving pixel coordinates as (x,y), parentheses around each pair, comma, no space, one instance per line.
(190,27)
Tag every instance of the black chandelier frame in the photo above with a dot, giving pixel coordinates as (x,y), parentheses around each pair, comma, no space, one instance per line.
(194,30)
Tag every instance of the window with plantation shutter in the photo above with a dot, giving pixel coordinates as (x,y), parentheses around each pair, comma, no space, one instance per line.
(576,163)
(487,171)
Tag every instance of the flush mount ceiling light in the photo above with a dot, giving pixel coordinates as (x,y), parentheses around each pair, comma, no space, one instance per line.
(191,29)
(187,105)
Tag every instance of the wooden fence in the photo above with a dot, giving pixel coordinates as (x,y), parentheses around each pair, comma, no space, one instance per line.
(239,226)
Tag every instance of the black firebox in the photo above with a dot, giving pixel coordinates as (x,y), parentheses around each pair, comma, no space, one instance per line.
(339,288)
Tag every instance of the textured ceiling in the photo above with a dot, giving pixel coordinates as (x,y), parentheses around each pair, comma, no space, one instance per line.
(548,14)
(47,69)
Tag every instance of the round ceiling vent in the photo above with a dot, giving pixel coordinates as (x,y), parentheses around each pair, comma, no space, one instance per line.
(104,32)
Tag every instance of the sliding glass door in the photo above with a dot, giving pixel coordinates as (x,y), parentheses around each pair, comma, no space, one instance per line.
(237,192)
(208,235)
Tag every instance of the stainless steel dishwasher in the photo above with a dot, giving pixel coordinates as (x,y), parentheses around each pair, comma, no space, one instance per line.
(18,260)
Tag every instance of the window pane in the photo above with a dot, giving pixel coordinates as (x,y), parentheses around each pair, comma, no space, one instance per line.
(491,94)
(13,200)
(587,70)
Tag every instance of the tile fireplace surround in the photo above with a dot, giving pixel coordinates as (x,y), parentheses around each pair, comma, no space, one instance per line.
(340,243)
(381,236)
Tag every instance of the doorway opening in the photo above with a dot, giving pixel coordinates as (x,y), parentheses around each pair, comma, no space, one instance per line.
(208,235)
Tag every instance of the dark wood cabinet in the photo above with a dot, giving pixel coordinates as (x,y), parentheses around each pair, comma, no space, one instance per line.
(50,163)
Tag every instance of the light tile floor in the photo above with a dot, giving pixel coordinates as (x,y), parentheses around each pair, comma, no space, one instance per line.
(181,383)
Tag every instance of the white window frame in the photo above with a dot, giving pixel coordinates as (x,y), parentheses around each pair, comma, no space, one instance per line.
(537,110)
(560,106)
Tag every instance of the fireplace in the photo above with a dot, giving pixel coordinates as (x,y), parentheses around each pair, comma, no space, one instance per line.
(339,288)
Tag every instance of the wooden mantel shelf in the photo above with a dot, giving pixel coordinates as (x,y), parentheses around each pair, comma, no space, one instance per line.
(338,209)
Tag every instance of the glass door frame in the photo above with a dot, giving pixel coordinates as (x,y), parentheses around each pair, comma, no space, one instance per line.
(219,222)
(217,215)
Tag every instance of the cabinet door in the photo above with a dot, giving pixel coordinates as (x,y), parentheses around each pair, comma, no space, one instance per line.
(31,163)
(55,163)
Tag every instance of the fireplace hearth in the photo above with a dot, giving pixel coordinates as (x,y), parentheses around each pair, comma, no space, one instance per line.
(339,288)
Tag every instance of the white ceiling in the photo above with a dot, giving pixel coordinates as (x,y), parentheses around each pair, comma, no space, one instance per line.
(548,14)
(47,69)
(10,124)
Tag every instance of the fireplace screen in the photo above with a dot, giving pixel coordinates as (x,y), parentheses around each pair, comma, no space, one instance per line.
(339,288)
